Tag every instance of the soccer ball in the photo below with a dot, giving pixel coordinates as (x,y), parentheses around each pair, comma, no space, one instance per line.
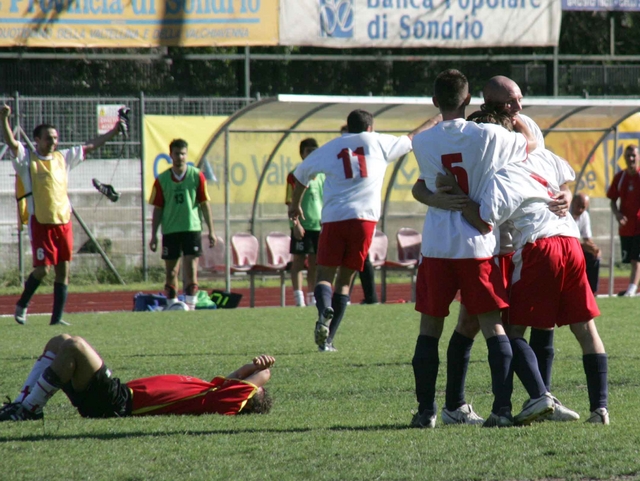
(177,306)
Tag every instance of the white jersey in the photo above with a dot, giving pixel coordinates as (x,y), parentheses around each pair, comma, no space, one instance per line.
(535,130)
(520,195)
(473,152)
(584,225)
(354,166)
(21,164)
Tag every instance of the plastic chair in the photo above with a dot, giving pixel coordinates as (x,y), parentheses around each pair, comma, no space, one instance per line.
(213,259)
(278,257)
(409,247)
(378,249)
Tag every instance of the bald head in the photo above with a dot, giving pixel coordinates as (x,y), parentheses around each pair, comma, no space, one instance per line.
(579,204)
(501,94)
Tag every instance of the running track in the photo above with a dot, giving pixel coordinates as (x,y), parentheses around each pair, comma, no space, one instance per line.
(265,297)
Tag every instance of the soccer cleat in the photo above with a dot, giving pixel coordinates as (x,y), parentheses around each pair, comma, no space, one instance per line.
(17,412)
(463,415)
(107,190)
(599,416)
(59,322)
(560,413)
(425,420)
(533,409)
(328,347)
(322,326)
(501,420)
(20,315)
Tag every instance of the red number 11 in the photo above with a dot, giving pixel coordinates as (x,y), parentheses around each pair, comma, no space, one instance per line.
(345,155)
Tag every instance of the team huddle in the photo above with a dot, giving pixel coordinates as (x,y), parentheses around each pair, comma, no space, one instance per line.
(497,230)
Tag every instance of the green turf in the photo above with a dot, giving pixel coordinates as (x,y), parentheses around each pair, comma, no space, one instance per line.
(337,416)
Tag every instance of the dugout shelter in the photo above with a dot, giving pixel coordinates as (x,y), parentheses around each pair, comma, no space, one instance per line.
(590,133)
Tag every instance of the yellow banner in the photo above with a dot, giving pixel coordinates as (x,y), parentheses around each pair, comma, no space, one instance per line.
(249,153)
(138,23)
(160,130)
(600,167)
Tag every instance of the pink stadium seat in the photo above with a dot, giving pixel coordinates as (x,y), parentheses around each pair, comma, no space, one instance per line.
(378,249)
(409,247)
(278,257)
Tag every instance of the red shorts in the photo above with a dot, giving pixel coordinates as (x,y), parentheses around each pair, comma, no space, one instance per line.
(479,280)
(506,266)
(550,286)
(345,243)
(51,244)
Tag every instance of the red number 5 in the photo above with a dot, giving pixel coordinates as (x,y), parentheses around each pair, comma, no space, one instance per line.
(346,154)
(459,172)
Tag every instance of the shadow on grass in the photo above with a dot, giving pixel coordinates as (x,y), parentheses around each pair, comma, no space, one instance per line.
(139,434)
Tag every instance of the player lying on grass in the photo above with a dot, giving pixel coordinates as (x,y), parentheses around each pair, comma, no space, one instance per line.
(549,285)
(71,364)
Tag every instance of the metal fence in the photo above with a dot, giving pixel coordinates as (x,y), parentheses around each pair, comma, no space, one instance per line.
(118,227)
(582,80)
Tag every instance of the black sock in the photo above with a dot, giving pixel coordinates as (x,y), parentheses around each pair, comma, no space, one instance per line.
(170,291)
(541,341)
(525,366)
(59,300)
(322,293)
(500,356)
(368,281)
(458,355)
(425,370)
(339,304)
(52,378)
(30,287)
(596,369)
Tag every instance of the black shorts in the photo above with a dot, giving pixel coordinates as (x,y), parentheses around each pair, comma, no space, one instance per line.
(105,396)
(178,243)
(307,245)
(630,246)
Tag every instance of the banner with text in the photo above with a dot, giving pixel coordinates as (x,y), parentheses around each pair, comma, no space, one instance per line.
(420,23)
(602,5)
(137,23)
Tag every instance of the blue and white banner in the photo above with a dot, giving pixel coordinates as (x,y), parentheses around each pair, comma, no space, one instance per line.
(420,23)
(602,5)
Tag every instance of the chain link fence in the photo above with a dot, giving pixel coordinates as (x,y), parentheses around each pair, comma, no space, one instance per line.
(118,227)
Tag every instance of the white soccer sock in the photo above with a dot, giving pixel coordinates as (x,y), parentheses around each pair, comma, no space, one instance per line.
(298,297)
(631,290)
(191,302)
(40,394)
(38,368)
(173,300)
(311,299)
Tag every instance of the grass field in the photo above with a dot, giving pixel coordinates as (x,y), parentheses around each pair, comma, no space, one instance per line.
(337,416)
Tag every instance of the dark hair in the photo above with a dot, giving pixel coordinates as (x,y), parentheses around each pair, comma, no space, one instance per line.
(37,132)
(258,404)
(498,118)
(178,144)
(450,89)
(359,121)
(306,143)
(631,147)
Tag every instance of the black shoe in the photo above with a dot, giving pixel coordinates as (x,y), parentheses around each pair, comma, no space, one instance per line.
(17,412)
(107,190)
